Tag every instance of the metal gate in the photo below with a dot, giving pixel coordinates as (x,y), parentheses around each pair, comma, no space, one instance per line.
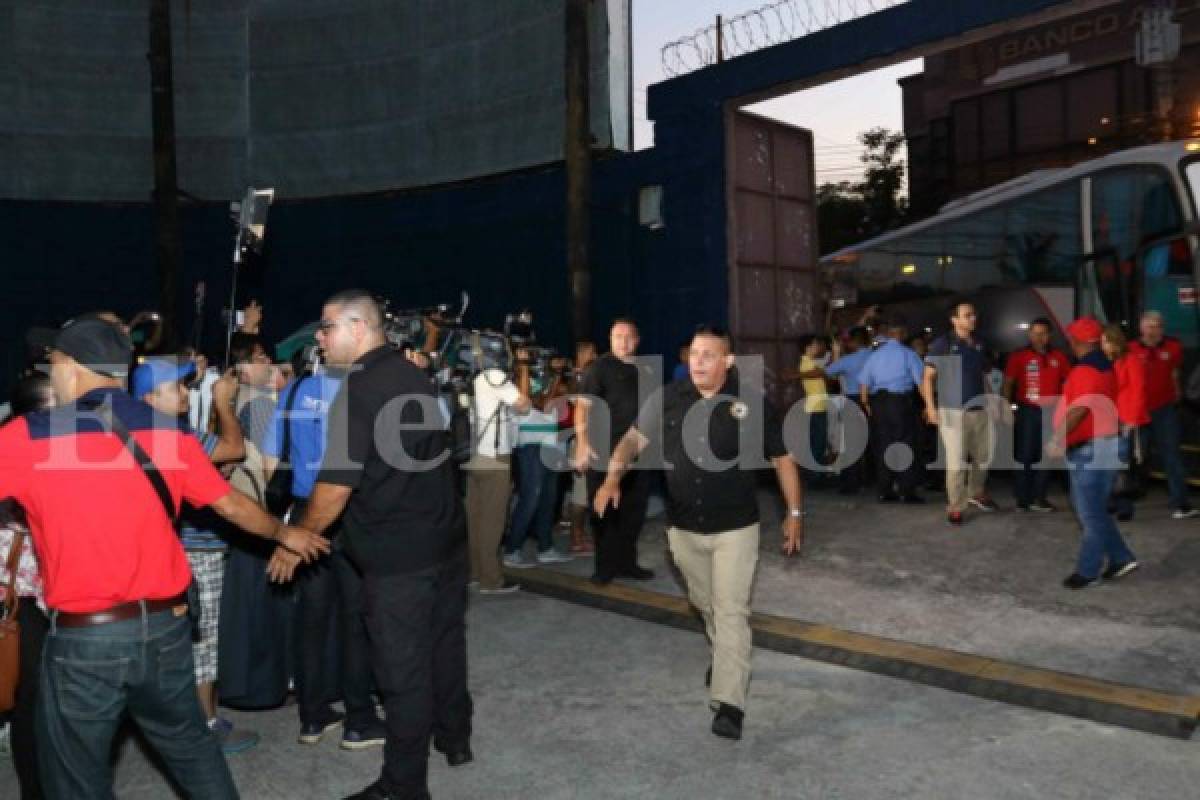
(772,236)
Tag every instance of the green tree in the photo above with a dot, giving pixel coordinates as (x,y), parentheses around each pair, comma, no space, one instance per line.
(883,179)
(848,212)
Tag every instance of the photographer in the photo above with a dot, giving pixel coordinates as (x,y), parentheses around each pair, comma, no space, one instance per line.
(489,480)
(538,456)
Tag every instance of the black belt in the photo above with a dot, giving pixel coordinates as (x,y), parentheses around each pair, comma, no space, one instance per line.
(70,619)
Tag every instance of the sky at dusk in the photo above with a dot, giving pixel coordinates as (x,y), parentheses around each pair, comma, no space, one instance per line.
(835,113)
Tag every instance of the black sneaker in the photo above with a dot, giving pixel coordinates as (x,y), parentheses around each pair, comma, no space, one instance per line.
(889,497)
(1118,571)
(727,722)
(312,732)
(1042,507)
(373,734)
(637,573)
(373,792)
(602,578)
(1077,581)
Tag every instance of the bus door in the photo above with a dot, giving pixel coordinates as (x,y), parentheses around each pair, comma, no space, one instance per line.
(1103,285)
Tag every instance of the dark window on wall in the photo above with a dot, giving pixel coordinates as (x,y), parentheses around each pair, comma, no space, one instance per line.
(966,131)
(1092,105)
(997,125)
(1039,116)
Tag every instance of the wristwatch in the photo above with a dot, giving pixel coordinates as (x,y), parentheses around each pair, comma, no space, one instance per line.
(798,513)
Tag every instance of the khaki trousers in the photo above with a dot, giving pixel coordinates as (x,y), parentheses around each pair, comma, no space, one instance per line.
(965,435)
(489,486)
(719,570)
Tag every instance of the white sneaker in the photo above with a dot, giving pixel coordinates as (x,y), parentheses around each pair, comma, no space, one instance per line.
(552,556)
(1184,513)
(517,560)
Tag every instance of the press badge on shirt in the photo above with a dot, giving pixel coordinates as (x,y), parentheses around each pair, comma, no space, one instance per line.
(739,410)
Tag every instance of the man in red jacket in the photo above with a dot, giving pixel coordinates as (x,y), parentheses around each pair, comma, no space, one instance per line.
(1033,379)
(1085,430)
(1162,357)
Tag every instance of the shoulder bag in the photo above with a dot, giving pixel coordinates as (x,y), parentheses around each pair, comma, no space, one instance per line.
(10,629)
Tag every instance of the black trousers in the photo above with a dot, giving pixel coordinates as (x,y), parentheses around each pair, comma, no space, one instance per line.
(34,626)
(418,636)
(895,423)
(616,533)
(854,476)
(333,651)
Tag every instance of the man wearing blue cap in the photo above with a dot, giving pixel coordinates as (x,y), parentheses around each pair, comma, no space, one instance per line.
(161,383)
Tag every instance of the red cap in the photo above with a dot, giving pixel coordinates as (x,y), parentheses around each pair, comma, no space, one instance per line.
(1085,329)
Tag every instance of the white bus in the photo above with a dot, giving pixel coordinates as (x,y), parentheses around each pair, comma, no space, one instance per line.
(1111,237)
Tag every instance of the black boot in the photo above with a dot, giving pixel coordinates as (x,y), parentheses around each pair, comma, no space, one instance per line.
(727,722)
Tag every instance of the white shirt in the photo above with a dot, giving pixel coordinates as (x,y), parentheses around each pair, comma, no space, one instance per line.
(492,420)
(200,408)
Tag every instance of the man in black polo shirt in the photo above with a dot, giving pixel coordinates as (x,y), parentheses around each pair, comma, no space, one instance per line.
(960,402)
(715,432)
(613,380)
(387,466)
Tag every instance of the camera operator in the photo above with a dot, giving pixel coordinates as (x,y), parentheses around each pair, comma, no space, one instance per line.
(489,479)
(539,457)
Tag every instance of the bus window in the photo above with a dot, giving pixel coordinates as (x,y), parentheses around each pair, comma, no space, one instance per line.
(1169,287)
(1042,236)
(975,248)
(1130,207)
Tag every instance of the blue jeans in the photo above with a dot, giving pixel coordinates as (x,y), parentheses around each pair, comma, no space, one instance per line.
(537,491)
(1165,431)
(1031,482)
(1092,474)
(91,676)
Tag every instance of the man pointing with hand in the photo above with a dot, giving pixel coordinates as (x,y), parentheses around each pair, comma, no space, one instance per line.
(714,434)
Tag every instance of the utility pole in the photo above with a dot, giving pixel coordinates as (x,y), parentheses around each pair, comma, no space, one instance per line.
(577,150)
(167,246)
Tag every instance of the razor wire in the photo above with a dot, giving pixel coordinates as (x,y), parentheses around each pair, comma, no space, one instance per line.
(772,24)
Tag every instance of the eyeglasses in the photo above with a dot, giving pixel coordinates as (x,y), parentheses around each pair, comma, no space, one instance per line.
(326,325)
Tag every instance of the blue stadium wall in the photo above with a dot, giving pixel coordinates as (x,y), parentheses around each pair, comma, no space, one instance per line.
(502,239)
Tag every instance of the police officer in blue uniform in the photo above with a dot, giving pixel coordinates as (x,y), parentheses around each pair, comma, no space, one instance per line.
(888,384)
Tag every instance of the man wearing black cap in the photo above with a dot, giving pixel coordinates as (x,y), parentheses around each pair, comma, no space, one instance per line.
(96,476)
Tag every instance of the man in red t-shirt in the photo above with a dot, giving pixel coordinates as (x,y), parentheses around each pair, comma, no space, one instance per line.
(1033,379)
(115,573)
(1162,359)
(1085,430)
